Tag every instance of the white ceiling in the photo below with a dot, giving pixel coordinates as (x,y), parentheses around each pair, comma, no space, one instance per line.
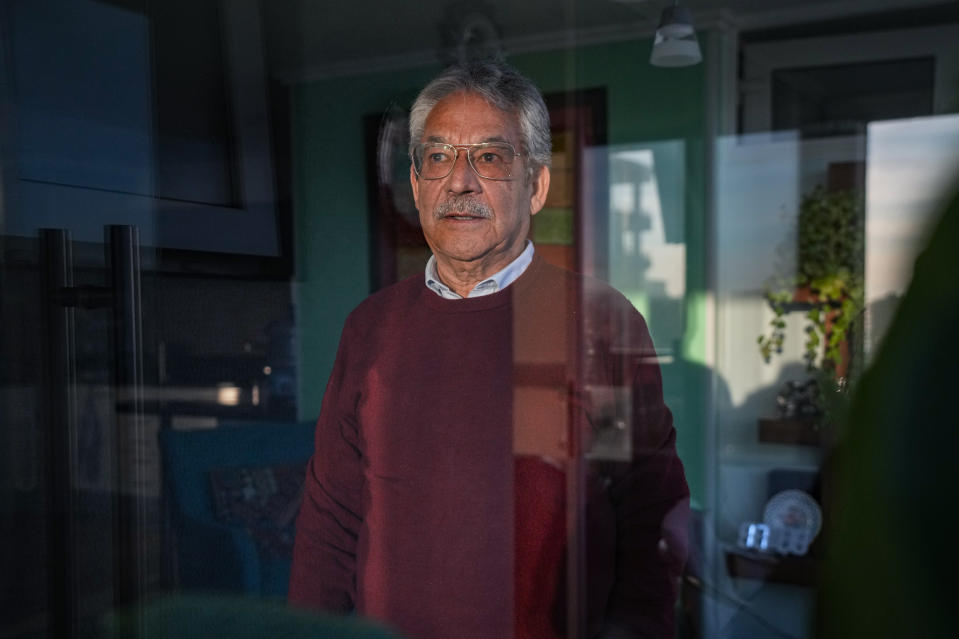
(320,38)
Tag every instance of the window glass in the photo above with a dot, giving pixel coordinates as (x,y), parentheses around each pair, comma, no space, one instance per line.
(738,266)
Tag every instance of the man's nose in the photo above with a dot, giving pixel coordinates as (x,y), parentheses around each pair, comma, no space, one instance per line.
(463,178)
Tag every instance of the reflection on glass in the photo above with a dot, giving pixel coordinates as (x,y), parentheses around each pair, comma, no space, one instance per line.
(647,244)
(767,446)
(912,166)
(201,123)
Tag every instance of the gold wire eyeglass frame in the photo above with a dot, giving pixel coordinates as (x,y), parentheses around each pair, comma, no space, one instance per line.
(505,146)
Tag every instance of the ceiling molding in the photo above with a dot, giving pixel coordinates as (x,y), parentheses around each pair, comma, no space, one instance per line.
(711,19)
(551,41)
(361,66)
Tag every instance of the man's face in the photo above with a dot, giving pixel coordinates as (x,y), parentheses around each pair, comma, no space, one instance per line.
(471,222)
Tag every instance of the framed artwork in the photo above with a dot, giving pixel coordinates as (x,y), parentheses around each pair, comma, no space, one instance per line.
(397,246)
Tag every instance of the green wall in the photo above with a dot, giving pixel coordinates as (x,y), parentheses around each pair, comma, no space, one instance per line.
(330,209)
(644,104)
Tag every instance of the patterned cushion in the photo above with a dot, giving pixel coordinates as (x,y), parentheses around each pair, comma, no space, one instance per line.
(262,499)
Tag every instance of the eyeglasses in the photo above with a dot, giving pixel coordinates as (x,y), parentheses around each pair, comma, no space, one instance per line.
(490,160)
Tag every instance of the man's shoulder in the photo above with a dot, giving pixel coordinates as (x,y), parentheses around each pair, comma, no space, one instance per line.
(594,293)
(555,298)
(392,298)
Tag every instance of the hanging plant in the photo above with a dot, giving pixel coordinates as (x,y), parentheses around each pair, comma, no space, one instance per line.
(829,280)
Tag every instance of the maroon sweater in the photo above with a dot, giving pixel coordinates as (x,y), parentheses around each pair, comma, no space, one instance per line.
(436,499)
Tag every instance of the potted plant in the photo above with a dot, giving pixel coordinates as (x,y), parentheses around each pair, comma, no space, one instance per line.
(828,284)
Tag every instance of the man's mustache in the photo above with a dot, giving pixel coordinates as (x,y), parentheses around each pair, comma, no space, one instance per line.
(463,206)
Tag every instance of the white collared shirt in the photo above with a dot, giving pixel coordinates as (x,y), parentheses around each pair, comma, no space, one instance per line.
(492,284)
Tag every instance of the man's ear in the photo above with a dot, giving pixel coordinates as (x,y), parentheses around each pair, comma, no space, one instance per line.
(415,184)
(540,187)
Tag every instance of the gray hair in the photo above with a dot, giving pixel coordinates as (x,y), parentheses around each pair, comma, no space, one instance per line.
(501,86)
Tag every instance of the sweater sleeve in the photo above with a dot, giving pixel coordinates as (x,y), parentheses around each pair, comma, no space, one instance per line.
(651,499)
(322,575)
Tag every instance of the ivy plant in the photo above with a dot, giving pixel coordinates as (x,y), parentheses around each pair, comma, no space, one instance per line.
(829,274)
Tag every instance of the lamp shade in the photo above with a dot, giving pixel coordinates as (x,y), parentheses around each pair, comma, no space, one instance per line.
(675,44)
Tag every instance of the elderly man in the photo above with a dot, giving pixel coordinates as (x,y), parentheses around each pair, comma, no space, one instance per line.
(493,456)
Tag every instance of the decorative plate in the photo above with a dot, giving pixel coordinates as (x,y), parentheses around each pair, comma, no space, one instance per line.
(794,509)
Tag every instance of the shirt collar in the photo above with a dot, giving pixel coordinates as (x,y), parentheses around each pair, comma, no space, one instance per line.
(492,284)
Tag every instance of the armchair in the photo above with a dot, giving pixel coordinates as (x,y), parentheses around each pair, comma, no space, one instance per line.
(213,550)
